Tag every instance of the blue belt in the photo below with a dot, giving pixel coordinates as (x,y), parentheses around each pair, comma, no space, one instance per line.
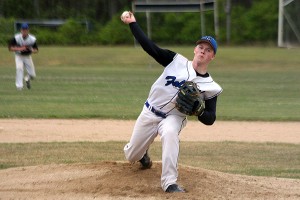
(156,112)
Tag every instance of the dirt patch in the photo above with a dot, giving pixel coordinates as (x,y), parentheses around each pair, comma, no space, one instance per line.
(49,130)
(121,180)
(113,180)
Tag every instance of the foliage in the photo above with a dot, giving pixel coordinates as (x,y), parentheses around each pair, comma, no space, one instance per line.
(98,10)
(6,28)
(252,21)
(47,37)
(115,33)
(71,32)
(178,28)
(258,24)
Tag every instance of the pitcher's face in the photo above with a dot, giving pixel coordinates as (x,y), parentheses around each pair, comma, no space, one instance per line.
(204,53)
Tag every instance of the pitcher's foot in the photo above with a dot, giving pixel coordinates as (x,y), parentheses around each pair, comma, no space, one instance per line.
(174,188)
(146,162)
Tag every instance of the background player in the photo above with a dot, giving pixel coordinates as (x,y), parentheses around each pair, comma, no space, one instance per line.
(23,44)
(159,115)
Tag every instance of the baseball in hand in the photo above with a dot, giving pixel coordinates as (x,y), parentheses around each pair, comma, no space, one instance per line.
(125,15)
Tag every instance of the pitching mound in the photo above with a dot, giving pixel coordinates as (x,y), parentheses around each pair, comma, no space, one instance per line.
(119,180)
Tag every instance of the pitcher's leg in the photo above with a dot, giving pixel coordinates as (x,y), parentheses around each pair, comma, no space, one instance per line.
(144,133)
(169,130)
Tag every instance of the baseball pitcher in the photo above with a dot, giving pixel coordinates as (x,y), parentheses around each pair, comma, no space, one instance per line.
(185,88)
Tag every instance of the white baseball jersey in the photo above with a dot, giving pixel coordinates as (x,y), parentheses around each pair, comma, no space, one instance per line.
(174,75)
(29,41)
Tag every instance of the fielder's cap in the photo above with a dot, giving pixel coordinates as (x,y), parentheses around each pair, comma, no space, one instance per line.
(210,40)
(24,26)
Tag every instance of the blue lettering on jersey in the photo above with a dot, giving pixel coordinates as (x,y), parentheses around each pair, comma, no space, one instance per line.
(172,80)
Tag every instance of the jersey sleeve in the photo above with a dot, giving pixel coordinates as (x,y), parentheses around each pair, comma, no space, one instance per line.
(162,56)
(12,42)
(35,46)
(209,115)
(210,90)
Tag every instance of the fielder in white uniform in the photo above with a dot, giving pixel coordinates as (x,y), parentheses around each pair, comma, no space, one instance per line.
(23,44)
(159,115)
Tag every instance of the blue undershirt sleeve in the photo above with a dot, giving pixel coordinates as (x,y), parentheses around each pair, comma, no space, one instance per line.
(209,115)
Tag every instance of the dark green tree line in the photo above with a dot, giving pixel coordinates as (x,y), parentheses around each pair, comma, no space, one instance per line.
(252,21)
(98,10)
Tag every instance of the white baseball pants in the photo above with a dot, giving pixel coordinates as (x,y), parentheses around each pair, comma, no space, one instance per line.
(146,128)
(21,62)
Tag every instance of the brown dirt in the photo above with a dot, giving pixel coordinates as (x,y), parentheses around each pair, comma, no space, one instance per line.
(49,130)
(121,180)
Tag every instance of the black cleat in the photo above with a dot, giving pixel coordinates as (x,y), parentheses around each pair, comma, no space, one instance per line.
(28,84)
(174,188)
(146,162)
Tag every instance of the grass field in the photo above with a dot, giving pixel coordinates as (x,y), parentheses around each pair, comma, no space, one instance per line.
(113,82)
(259,159)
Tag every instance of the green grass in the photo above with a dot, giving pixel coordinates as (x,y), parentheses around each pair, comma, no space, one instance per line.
(113,82)
(260,159)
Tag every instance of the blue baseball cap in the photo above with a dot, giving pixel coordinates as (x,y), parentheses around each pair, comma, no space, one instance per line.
(210,40)
(24,26)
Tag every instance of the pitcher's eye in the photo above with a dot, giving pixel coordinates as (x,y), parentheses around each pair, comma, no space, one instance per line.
(200,46)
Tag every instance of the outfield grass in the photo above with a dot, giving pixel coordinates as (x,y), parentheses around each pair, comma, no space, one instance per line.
(113,82)
(259,159)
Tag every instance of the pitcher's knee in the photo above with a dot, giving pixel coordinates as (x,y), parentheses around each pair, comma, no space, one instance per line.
(133,153)
(129,153)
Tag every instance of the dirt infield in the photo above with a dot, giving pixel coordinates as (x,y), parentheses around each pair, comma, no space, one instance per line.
(49,130)
(121,180)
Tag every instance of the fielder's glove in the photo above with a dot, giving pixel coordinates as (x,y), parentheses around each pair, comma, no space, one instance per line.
(189,101)
(28,50)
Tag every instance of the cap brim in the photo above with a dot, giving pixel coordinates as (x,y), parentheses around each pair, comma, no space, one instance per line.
(205,41)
